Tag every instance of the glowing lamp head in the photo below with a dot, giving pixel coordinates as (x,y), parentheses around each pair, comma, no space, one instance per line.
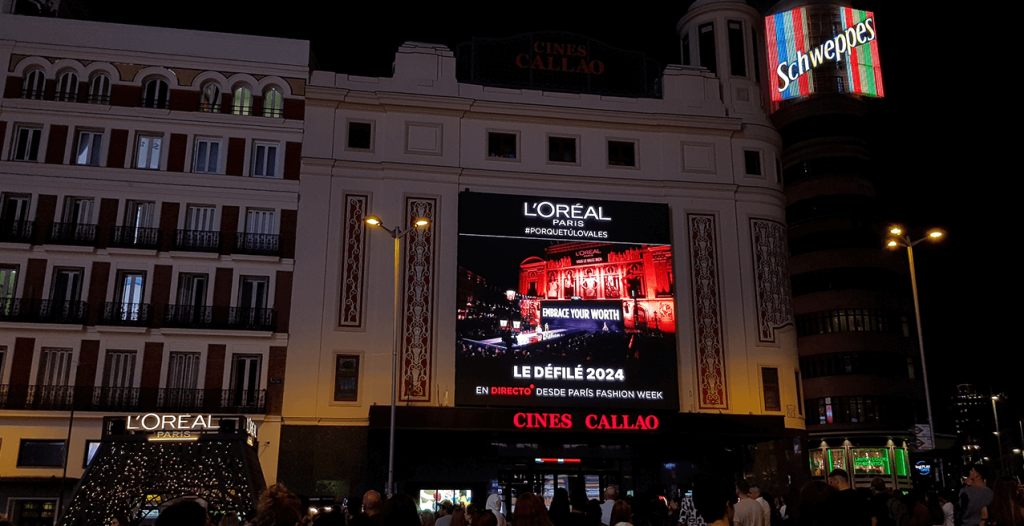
(892,243)
(895,231)
(374,221)
(421,222)
(935,233)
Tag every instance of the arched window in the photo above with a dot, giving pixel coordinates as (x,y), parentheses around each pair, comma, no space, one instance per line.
(32,87)
(241,101)
(210,99)
(156,94)
(99,89)
(273,103)
(67,87)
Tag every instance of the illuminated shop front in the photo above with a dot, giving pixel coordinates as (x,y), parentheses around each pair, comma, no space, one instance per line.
(146,462)
(891,463)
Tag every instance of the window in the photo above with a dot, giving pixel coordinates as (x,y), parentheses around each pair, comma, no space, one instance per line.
(245,380)
(752,160)
(264,160)
(131,287)
(26,143)
(147,155)
(91,448)
(562,149)
(360,135)
(8,289)
(501,145)
(87,153)
(770,384)
(67,87)
(99,89)
(3,353)
(41,454)
(706,43)
(183,370)
(53,379)
(346,378)
(139,214)
(621,153)
(67,286)
(190,307)
(156,94)
(252,293)
(241,101)
(737,59)
(259,221)
(119,369)
(209,101)
(207,156)
(14,209)
(199,218)
(32,86)
(273,103)
(78,210)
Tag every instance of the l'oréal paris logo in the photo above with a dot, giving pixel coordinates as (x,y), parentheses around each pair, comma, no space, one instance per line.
(549,210)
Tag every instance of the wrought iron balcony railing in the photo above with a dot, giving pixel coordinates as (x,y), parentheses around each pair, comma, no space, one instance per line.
(73,234)
(87,398)
(125,314)
(43,311)
(16,231)
(197,240)
(135,237)
(232,318)
(257,244)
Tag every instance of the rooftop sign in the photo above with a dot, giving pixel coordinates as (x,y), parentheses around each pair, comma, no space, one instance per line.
(823,49)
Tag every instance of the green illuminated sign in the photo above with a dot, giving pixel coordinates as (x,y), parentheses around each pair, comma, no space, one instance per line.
(902,464)
(869,460)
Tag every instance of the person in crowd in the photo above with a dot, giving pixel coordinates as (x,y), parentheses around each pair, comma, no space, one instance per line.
(426,518)
(278,507)
(879,504)
(494,506)
(459,516)
(934,503)
(918,514)
(812,510)
(1005,508)
(184,513)
(594,513)
(714,498)
(975,496)
(946,499)
(530,511)
(444,513)
(621,514)
(846,506)
(559,509)
(372,506)
(611,494)
(400,510)
(766,510)
(747,511)
(483,517)
(335,517)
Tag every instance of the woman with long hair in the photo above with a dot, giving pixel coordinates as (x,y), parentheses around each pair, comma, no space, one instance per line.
(1005,509)
(530,511)
(621,514)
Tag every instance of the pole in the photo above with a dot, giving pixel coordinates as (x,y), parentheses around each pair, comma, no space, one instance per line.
(920,343)
(999,437)
(394,376)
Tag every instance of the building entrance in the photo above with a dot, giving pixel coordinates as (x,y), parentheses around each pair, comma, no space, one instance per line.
(546,475)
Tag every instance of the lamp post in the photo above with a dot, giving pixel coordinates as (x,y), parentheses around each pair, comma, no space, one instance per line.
(898,239)
(396,233)
(999,436)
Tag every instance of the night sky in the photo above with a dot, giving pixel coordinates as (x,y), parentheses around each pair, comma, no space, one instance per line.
(939,155)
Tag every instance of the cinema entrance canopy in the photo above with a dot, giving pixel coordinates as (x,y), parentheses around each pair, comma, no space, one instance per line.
(148,460)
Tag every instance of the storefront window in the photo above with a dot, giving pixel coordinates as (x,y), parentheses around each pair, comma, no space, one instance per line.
(818,465)
(871,462)
(902,463)
(837,459)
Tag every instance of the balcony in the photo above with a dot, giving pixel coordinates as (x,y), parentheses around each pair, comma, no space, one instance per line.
(129,399)
(197,240)
(72,234)
(43,311)
(230,318)
(257,244)
(125,314)
(16,231)
(135,237)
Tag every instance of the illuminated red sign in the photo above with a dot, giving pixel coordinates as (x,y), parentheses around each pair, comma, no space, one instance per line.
(591,421)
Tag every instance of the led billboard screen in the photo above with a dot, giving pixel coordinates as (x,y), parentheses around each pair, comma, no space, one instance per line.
(564,303)
(823,49)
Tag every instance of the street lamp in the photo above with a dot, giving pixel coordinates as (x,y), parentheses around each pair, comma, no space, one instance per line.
(396,233)
(898,239)
(999,438)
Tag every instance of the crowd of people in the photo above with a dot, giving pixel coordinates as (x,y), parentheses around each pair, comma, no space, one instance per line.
(835,503)
(715,502)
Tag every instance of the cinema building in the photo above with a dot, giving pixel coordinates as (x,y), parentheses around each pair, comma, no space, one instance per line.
(149,192)
(600,295)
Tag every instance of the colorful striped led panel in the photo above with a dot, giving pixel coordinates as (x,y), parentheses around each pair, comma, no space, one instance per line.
(803,39)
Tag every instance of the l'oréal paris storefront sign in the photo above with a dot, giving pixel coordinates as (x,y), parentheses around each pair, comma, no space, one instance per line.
(823,49)
(590,320)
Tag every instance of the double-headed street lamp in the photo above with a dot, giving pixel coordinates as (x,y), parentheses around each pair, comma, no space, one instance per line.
(898,239)
(396,233)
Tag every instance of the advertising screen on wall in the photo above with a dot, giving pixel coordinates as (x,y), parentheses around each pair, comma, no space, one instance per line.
(823,49)
(564,303)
